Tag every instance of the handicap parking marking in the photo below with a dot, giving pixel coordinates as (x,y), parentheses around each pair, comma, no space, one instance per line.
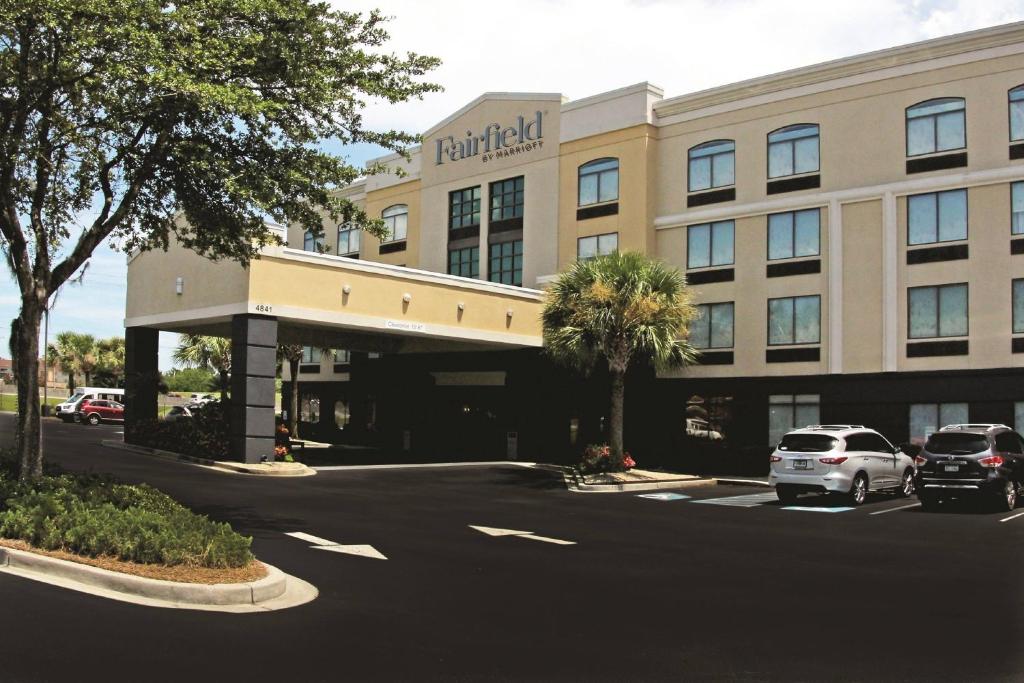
(748,501)
(807,508)
(663,496)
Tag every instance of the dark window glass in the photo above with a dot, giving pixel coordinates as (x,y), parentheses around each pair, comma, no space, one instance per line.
(953,443)
(507,199)
(506,264)
(464,208)
(464,262)
(808,443)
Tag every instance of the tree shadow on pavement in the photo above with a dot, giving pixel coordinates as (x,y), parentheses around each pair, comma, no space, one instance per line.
(248,520)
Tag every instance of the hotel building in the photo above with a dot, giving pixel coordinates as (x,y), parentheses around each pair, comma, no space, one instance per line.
(853,232)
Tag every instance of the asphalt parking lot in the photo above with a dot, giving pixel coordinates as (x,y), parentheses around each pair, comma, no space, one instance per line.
(499,573)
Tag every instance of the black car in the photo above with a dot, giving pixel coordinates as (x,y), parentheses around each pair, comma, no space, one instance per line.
(971,460)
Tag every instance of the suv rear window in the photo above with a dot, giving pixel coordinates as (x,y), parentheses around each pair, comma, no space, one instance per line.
(942,443)
(807,443)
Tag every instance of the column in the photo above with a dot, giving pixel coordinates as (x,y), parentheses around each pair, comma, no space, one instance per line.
(835,287)
(141,377)
(890,284)
(253,369)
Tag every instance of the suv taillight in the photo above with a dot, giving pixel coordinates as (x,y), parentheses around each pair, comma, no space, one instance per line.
(775,458)
(991,461)
(838,460)
(920,460)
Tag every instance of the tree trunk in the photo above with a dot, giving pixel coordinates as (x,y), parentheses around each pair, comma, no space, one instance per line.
(71,383)
(88,378)
(28,440)
(615,419)
(293,402)
(224,387)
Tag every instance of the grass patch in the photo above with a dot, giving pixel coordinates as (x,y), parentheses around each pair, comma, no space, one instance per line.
(99,517)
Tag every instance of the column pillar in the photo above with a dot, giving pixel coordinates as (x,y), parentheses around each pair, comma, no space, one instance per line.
(141,377)
(253,369)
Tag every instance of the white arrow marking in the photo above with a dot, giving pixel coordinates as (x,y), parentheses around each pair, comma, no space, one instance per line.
(324,544)
(491,531)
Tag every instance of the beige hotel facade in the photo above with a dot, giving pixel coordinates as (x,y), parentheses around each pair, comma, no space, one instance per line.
(853,232)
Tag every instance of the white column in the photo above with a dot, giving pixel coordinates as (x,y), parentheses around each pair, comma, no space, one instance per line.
(890,286)
(835,287)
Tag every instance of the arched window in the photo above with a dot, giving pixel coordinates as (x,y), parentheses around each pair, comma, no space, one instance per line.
(396,219)
(793,150)
(712,164)
(1016,98)
(310,242)
(348,239)
(599,181)
(936,126)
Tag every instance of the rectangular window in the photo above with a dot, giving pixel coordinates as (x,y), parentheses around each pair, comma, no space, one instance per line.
(1017,208)
(464,262)
(1018,306)
(598,182)
(794,234)
(342,356)
(1017,114)
(1018,416)
(712,164)
(507,198)
(936,126)
(348,240)
(793,150)
(713,326)
(710,244)
(310,354)
(789,412)
(928,418)
(937,311)
(597,245)
(937,217)
(464,208)
(507,263)
(794,320)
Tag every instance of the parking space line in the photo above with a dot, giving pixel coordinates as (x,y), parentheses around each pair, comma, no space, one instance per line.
(901,507)
(1007,519)
(808,508)
(747,501)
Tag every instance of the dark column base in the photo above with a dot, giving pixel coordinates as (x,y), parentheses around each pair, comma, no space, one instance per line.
(142,377)
(253,369)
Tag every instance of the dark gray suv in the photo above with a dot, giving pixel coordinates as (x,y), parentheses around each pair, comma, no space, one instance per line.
(970,460)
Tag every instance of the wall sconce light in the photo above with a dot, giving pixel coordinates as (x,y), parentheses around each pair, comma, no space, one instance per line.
(508,313)
(461,306)
(347,289)
(407,297)
(179,286)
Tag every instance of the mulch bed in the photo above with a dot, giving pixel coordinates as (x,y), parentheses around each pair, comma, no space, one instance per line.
(181,573)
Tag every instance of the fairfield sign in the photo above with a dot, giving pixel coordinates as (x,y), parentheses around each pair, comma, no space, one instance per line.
(494,143)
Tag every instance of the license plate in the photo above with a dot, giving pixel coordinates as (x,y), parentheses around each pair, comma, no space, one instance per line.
(951,468)
(801,464)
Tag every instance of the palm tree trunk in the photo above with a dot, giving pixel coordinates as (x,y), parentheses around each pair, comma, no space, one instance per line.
(88,379)
(615,418)
(25,343)
(293,407)
(223,387)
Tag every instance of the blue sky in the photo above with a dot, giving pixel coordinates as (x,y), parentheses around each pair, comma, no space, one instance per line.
(568,46)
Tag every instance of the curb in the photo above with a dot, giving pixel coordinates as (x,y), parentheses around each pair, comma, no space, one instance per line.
(223,465)
(743,482)
(575,483)
(260,595)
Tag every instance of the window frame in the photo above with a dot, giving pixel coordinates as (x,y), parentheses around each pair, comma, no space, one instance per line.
(1014,187)
(793,255)
(711,173)
(938,309)
(935,131)
(710,318)
(475,204)
(794,400)
(313,353)
(711,244)
(597,243)
(491,272)
(518,188)
(793,298)
(939,422)
(938,218)
(1009,111)
(319,243)
(791,143)
(393,226)
(474,261)
(1014,327)
(351,228)
(582,172)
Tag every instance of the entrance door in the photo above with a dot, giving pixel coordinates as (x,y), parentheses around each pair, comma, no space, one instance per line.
(471,424)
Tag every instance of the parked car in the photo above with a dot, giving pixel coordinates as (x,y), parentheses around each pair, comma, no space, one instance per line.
(95,411)
(971,460)
(68,410)
(844,459)
(199,400)
(178,413)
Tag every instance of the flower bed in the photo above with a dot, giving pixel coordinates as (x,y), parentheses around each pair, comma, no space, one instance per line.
(597,459)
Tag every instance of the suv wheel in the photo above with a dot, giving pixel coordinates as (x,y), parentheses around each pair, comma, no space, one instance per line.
(906,488)
(94,419)
(859,489)
(1007,499)
(787,496)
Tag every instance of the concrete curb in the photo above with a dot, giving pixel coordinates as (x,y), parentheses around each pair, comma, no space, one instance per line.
(574,483)
(270,592)
(743,482)
(222,465)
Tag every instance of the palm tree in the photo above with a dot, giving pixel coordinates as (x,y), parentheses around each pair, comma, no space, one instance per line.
(110,354)
(621,309)
(197,351)
(292,354)
(75,353)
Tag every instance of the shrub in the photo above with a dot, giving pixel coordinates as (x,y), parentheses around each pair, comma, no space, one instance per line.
(206,435)
(92,515)
(597,458)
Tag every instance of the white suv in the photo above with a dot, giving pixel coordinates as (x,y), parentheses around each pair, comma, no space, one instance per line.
(847,459)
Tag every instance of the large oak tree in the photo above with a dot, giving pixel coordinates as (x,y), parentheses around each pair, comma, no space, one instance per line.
(118,115)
